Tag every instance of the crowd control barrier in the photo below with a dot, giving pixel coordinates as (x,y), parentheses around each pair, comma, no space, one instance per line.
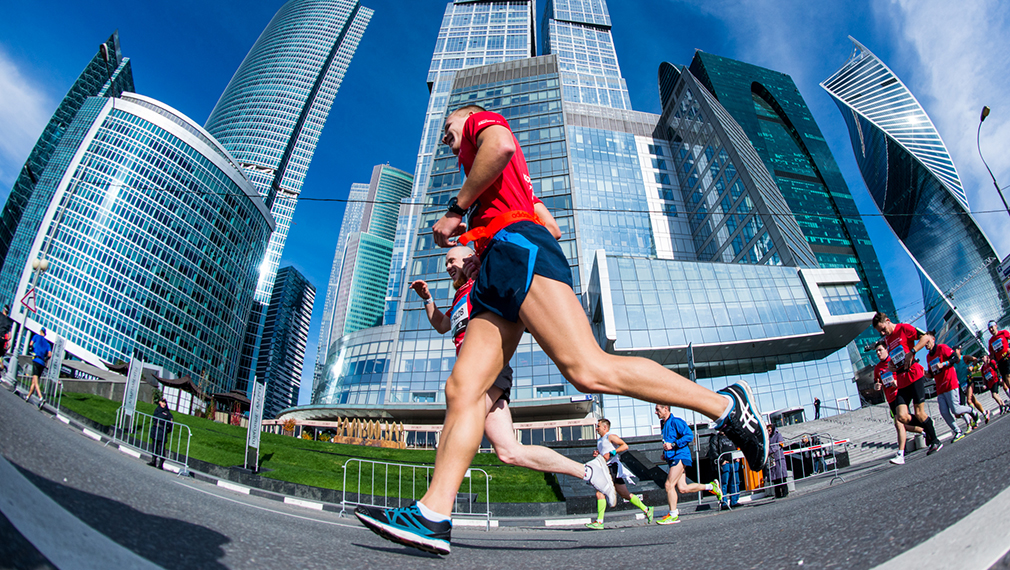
(390,485)
(135,430)
(50,383)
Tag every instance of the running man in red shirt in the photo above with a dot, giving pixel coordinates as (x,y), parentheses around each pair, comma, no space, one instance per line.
(940,367)
(999,352)
(884,379)
(903,341)
(992,381)
(498,424)
(524,282)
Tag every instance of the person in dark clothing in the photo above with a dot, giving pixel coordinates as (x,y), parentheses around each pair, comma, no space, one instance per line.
(817,408)
(161,426)
(777,462)
(5,330)
(719,448)
(42,349)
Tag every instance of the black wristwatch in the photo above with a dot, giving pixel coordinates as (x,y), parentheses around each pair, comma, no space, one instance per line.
(454,207)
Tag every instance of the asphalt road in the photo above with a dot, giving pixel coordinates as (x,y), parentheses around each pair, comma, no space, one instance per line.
(182,523)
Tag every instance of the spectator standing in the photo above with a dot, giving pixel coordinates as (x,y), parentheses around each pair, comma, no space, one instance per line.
(817,408)
(161,426)
(42,349)
(777,462)
(719,449)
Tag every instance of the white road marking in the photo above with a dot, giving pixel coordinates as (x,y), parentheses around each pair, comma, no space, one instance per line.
(63,419)
(567,522)
(93,435)
(223,498)
(303,503)
(481,523)
(129,451)
(978,540)
(233,487)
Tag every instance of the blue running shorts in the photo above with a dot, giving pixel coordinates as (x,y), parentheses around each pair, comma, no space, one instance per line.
(508,264)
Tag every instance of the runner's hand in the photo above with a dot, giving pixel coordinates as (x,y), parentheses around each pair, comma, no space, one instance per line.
(471,267)
(877,386)
(421,288)
(447,229)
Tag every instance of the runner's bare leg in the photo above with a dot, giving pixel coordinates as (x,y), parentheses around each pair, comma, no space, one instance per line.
(490,342)
(556,319)
(501,433)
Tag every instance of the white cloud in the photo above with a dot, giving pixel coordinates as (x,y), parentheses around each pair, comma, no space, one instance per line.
(957,64)
(25,110)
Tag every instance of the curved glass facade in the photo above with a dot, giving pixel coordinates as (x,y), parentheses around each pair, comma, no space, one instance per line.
(272,112)
(154,238)
(914,183)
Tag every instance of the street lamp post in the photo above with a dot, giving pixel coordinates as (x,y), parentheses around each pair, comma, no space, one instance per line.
(985,113)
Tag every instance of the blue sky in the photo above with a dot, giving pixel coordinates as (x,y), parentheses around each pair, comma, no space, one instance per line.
(951,55)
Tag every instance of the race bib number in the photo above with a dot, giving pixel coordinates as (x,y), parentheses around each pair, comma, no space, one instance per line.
(999,346)
(887,379)
(988,375)
(934,365)
(460,316)
(898,356)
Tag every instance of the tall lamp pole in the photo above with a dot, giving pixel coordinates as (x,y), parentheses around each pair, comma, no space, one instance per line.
(981,119)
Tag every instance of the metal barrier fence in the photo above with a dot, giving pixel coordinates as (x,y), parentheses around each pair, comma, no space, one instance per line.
(823,458)
(50,383)
(383,484)
(139,432)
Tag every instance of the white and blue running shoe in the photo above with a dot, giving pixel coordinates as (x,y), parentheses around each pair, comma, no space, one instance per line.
(408,527)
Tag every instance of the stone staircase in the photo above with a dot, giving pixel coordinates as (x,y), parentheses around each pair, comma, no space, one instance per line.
(870,430)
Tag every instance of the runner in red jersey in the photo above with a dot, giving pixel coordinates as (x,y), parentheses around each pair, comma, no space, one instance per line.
(903,341)
(940,367)
(524,282)
(498,424)
(999,352)
(884,379)
(992,381)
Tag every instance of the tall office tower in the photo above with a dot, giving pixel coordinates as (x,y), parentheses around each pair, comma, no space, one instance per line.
(914,183)
(108,74)
(578,32)
(154,239)
(472,33)
(272,112)
(361,294)
(284,337)
(780,127)
(353,212)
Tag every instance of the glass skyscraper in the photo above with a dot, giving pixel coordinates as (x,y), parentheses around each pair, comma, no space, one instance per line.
(656,211)
(272,112)
(108,74)
(353,212)
(780,127)
(154,238)
(284,338)
(472,33)
(914,183)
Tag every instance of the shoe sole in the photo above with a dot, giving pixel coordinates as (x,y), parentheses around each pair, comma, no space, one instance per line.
(406,538)
(668,523)
(612,494)
(749,395)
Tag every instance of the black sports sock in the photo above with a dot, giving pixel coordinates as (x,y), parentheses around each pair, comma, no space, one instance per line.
(930,432)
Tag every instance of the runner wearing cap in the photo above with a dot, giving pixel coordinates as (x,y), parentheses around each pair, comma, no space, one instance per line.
(903,341)
(940,361)
(524,283)
(884,379)
(42,349)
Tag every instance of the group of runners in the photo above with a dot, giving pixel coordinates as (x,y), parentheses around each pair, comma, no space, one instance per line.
(516,279)
(902,379)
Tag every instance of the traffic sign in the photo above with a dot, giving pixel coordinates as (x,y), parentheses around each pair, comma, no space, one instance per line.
(29,300)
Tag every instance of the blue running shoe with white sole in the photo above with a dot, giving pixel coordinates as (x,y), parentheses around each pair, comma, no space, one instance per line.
(408,527)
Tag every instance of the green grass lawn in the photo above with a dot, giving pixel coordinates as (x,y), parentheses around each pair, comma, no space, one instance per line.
(321,464)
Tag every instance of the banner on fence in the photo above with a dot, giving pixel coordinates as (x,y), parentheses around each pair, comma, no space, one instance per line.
(132,385)
(252,439)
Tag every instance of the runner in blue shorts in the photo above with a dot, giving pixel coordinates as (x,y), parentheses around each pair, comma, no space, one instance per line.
(523,283)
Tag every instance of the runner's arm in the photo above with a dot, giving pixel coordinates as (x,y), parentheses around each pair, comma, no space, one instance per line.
(618,443)
(549,222)
(439,321)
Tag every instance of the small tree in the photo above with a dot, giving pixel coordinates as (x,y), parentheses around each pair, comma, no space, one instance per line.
(289,426)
